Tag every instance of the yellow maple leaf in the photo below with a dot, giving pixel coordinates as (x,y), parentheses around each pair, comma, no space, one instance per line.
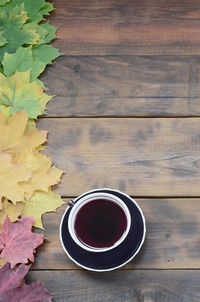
(18,93)
(43,175)
(11,177)
(40,203)
(14,138)
(2,262)
(10,210)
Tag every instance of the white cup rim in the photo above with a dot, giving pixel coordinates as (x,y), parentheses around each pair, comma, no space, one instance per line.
(86,199)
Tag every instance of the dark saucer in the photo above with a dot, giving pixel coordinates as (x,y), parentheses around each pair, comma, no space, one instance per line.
(115,258)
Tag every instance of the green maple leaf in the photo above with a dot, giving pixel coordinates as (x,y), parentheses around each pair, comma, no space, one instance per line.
(2,2)
(17,93)
(12,30)
(39,29)
(30,125)
(51,32)
(2,39)
(45,53)
(42,55)
(35,8)
(46,31)
(26,59)
(47,8)
(21,60)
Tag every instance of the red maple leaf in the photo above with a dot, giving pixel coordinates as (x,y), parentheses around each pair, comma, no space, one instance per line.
(10,290)
(11,278)
(18,242)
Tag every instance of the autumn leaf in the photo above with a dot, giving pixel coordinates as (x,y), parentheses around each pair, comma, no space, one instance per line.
(28,293)
(5,111)
(42,55)
(46,9)
(31,126)
(13,32)
(45,53)
(51,32)
(24,59)
(24,148)
(43,174)
(17,242)
(35,9)
(40,203)
(2,39)
(17,93)
(45,31)
(10,210)
(2,262)
(11,278)
(10,289)
(39,29)
(21,60)
(14,138)
(11,176)
(2,2)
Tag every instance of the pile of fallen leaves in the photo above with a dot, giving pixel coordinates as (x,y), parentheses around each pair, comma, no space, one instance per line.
(26,174)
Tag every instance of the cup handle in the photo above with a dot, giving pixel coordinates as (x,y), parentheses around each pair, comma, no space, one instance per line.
(71,203)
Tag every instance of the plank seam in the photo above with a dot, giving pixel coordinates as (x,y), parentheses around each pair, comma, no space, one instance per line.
(120,117)
(130,55)
(149,197)
(127,269)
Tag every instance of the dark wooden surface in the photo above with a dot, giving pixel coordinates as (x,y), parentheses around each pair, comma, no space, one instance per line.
(143,157)
(172,241)
(124,86)
(121,286)
(128,27)
(126,116)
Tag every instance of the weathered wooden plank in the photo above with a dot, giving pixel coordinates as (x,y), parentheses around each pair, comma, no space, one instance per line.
(124,76)
(180,4)
(105,106)
(118,12)
(127,27)
(144,157)
(137,286)
(173,232)
(121,86)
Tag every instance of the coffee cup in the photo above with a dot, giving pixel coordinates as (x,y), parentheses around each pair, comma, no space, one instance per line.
(102,229)
(99,222)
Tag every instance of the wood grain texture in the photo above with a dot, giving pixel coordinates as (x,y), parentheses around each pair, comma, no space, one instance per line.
(121,86)
(121,286)
(172,241)
(174,4)
(127,27)
(105,106)
(144,157)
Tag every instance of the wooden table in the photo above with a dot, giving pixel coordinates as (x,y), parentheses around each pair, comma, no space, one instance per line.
(127,116)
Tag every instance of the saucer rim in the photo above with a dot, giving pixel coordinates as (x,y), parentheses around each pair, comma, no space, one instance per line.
(124,263)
